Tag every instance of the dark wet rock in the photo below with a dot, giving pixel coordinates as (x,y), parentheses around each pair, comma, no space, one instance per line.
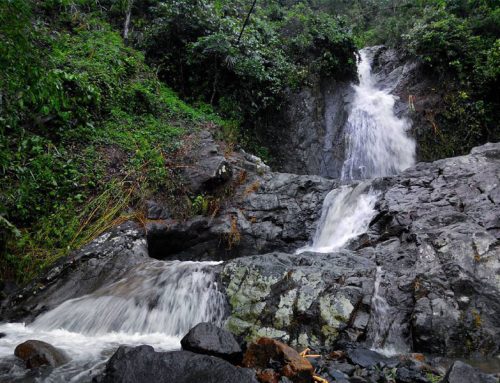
(307,135)
(405,375)
(142,364)
(436,239)
(305,300)
(268,354)
(440,260)
(102,261)
(357,379)
(337,375)
(156,211)
(36,353)
(268,212)
(460,372)
(206,338)
(2,335)
(366,358)
(206,167)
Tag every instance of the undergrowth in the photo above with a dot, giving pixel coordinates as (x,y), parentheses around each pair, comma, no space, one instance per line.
(87,134)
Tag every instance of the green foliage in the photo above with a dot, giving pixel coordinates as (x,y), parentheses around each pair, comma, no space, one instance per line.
(86,130)
(195,45)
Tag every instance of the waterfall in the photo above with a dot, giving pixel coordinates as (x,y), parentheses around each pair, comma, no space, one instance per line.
(154,303)
(377,140)
(377,145)
(346,213)
(155,297)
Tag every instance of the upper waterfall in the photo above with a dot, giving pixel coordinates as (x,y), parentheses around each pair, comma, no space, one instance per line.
(377,145)
(377,140)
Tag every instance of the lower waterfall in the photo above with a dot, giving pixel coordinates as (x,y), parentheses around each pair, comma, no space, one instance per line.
(155,303)
(346,213)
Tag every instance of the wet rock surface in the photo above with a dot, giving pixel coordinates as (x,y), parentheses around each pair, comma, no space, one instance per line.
(102,261)
(36,353)
(461,372)
(306,299)
(142,364)
(206,338)
(269,211)
(307,136)
(436,239)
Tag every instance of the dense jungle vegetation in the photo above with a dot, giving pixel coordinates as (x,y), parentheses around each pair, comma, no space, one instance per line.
(98,97)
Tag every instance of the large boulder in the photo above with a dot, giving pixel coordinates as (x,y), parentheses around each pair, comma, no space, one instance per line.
(207,338)
(306,300)
(460,372)
(142,364)
(36,353)
(437,241)
(205,166)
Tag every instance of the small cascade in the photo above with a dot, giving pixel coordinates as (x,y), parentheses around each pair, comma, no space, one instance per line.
(385,334)
(346,213)
(156,297)
(377,140)
(155,303)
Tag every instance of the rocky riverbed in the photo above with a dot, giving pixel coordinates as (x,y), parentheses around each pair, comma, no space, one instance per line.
(431,252)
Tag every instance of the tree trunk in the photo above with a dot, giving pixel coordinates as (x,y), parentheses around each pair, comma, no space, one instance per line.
(246,21)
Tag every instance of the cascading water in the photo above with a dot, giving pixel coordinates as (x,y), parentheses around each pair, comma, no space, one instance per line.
(385,335)
(377,140)
(346,213)
(377,145)
(155,303)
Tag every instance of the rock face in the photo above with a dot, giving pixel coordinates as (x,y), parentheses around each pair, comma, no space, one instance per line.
(436,241)
(306,299)
(36,353)
(307,136)
(206,167)
(102,261)
(274,359)
(143,364)
(460,372)
(206,338)
(270,211)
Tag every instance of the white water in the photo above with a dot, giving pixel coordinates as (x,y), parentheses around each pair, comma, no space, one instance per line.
(155,303)
(377,140)
(377,145)
(346,213)
(385,333)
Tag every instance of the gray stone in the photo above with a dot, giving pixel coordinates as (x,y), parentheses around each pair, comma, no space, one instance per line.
(142,364)
(206,338)
(365,358)
(205,167)
(308,299)
(460,372)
